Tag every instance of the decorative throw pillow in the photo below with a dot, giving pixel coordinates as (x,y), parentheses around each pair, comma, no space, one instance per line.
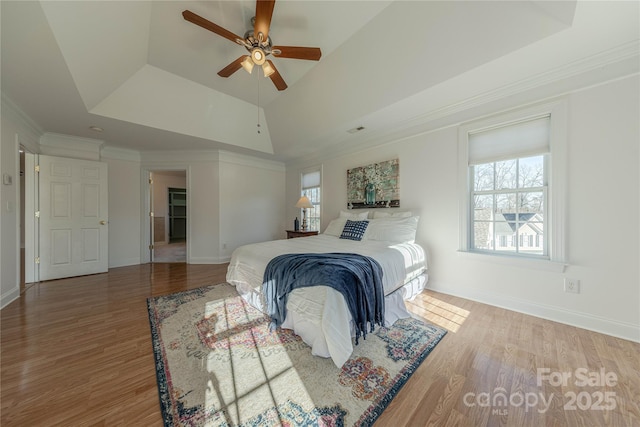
(335,227)
(354,230)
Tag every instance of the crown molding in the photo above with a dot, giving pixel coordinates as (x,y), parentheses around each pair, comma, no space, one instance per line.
(182,156)
(56,144)
(32,132)
(619,55)
(602,68)
(241,159)
(158,158)
(116,153)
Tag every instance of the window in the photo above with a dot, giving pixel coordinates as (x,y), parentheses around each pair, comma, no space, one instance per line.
(513,203)
(311,187)
(508,198)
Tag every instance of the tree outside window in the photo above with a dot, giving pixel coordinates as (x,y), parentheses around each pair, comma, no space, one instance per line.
(508,203)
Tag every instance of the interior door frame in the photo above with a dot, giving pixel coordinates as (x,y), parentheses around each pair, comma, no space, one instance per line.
(29,143)
(146,220)
(31,229)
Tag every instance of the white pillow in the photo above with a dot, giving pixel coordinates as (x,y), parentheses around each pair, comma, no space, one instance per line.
(335,227)
(354,215)
(385,213)
(397,230)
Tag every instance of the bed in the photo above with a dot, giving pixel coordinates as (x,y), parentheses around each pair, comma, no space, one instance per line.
(319,314)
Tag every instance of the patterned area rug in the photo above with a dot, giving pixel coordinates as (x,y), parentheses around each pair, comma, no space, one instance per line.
(217,364)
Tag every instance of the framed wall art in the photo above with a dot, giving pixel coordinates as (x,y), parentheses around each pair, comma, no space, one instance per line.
(374,186)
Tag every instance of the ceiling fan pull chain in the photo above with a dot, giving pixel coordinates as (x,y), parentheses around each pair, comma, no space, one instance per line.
(258,76)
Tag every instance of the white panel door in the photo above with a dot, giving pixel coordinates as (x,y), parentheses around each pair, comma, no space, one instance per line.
(73,217)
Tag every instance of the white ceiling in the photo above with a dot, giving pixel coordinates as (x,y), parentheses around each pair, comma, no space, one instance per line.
(146,76)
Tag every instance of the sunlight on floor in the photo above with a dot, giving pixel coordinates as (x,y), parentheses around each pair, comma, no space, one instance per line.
(438,312)
(237,380)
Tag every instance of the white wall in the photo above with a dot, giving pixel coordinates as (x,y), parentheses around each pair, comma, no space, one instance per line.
(124,210)
(203,231)
(9,208)
(251,202)
(602,206)
(16,129)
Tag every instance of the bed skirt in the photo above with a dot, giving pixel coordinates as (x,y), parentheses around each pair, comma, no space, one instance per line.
(321,318)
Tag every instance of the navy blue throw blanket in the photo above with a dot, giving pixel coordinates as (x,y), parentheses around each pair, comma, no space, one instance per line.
(358,278)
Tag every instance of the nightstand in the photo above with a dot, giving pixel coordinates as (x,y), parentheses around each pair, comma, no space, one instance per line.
(291,234)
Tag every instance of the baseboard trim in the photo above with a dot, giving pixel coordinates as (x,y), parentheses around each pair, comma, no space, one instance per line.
(624,330)
(9,297)
(207,260)
(124,262)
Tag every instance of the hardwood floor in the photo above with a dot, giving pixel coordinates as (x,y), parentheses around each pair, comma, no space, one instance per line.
(78,352)
(170,252)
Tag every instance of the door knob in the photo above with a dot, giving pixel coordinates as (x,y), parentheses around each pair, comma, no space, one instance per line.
(103,222)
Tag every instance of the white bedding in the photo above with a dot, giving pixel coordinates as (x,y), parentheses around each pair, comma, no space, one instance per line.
(319,314)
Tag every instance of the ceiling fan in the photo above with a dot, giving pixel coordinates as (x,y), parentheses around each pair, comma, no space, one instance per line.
(258,44)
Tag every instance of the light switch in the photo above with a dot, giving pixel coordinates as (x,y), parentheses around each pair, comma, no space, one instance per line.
(7,179)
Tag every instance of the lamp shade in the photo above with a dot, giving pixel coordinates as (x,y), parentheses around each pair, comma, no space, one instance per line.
(247,64)
(267,69)
(304,202)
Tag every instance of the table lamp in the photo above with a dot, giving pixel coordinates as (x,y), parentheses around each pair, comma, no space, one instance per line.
(304,203)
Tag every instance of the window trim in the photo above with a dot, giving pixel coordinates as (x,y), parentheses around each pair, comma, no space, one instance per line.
(303,172)
(557,182)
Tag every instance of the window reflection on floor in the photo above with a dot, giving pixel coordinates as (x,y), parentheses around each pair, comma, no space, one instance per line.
(438,312)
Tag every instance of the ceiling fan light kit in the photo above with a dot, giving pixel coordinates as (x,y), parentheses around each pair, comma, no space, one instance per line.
(267,69)
(258,44)
(247,64)
(257,56)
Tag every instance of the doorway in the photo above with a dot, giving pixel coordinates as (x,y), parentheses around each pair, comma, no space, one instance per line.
(169,221)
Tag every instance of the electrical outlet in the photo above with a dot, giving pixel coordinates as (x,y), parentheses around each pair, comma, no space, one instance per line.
(571,285)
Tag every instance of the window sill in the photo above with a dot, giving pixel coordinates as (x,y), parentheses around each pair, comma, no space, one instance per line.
(531,263)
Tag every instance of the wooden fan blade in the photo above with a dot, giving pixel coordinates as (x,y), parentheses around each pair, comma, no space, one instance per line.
(264,11)
(233,67)
(208,25)
(276,78)
(296,52)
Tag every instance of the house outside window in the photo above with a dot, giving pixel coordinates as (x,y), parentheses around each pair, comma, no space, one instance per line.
(511,205)
(508,199)
(311,186)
